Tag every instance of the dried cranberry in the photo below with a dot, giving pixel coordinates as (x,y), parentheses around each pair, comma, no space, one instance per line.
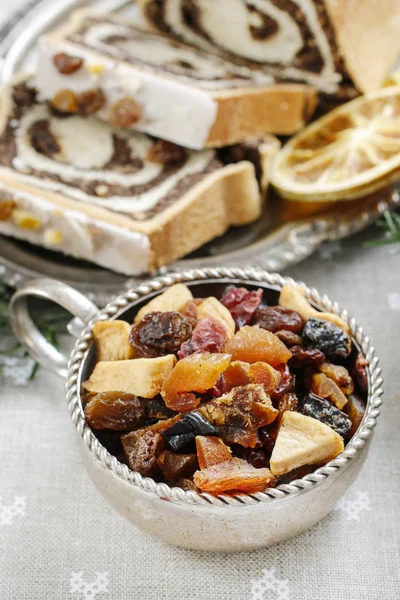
(289,338)
(360,373)
(209,335)
(166,153)
(286,384)
(67,64)
(275,318)
(160,333)
(267,436)
(220,388)
(241,303)
(305,356)
(258,457)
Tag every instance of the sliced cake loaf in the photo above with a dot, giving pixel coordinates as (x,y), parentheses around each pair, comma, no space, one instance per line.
(115,197)
(135,79)
(322,42)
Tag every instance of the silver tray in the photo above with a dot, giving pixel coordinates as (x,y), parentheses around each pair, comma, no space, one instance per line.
(286,234)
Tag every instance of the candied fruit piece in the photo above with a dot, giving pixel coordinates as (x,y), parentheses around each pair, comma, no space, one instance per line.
(65,101)
(355,409)
(324,387)
(327,337)
(289,338)
(166,153)
(142,456)
(240,373)
(181,435)
(91,101)
(276,318)
(305,356)
(287,402)
(339,375)
(209,335)
(195,373)
(239,414)
(115,410)
(235,475)
(124,112)
(160,333)
(211,451)
(257,457)
(173,299)
(112,340)
(252,344)
(241,303)
(67,64)
(360,372)
(303,441)
(174,466)
(324,411)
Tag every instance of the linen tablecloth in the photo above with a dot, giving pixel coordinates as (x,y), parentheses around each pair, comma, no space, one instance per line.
(59,539)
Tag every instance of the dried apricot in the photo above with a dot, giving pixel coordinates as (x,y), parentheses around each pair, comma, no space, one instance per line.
(211,451)
(339,375)
(235,475)
(252,344)
(240,373)
(324,387)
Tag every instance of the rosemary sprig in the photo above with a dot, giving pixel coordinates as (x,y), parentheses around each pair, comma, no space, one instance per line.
(391,224)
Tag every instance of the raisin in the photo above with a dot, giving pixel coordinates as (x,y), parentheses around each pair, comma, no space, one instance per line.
(360,372)
(160,333)
(182,434)
(339,375)
(252,344)
(143,456)
(23,95)
(209,335)
(267,437)
(156,409)
(235,475)
(67,64)
(287,402)
(124,113)
(42,139)
(166,153)
(276,318)
(305,356)
(241,303)
(115,410)
(327,337)
(175,466)
(91,102)
(323,410)
(286,384)
(289,338)
(355,409)
(211,450)
(257,457)
(65,101)
(295,474)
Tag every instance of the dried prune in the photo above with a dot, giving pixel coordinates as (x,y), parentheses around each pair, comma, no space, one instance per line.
(235,475)
(286,384)
(67,64)
(339,375)
(182,434)
(324,387)
(167,153)
(305,356)
(174,466)
(115,410)
(143,456)
(327,337)
(360,372)
(241,303)
(287,402)
(160,333)
(209,335)
(257,457)
(252,344)
(276,318)
(211,450)
(324,411)
(195,373)
(239,414)
(289,338)
(240,373)
(355,409)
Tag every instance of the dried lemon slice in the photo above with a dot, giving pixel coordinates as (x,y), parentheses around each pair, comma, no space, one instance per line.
(349,153)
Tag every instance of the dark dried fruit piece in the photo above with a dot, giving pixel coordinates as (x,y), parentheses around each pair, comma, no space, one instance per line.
(143,456)
(327,337)
(241,303)
(257,457)
(209,335)
(115,410)
(211,450)
(339,375)
(235,475)
(239,414)
(289,338)
(42,139)
(65,101)
(175,466)
(182,434)
(23,95)
(360,372)
(67,64)
(276,318)
(355,408)
(91,102)
(295,474)
(287,402)
(167,153)
(156,409)
(324,411)
(305,356)
(286,384)
(267,436)
(124,113)
(160,333)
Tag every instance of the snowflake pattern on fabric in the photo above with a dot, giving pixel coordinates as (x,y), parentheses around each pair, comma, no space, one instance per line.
(353,507)
(393,299)
(18,369)
(8,512)
(270,587)
(88,590)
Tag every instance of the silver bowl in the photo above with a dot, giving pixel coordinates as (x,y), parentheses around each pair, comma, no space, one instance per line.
(188,519)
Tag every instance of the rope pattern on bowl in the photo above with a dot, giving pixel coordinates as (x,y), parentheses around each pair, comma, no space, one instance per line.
(177,495)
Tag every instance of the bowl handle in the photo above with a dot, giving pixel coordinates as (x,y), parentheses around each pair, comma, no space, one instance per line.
(27,332)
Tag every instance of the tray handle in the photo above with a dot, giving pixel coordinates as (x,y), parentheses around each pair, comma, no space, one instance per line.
(25,329)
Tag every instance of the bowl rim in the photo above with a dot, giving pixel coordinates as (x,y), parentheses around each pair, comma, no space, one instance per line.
(250,275)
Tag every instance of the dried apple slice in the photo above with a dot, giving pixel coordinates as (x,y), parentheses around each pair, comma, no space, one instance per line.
(112,340)
(303,441)
(173,299)
(235,475)
(252,344)
(211,450)
(213,309)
